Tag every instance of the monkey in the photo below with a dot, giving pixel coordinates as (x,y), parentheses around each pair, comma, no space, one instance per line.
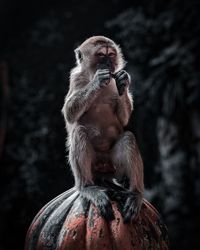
(96,110)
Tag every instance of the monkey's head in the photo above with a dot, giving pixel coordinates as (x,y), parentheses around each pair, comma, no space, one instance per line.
(99,52)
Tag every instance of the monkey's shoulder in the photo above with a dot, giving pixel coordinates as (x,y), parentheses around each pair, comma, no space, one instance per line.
(78,78)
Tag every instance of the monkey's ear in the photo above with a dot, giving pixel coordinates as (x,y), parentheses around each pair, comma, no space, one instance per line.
(79,55)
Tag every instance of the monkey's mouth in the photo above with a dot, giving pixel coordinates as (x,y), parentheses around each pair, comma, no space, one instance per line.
(106,63)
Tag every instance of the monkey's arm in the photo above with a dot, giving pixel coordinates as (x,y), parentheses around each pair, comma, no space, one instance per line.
(77,102)
(125,103)
(125,107)
(81,96)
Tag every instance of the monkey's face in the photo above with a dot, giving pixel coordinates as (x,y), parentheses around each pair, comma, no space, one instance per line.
(99,52)
(105,58)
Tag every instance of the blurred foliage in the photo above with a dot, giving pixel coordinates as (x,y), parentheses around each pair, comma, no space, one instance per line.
(162,47)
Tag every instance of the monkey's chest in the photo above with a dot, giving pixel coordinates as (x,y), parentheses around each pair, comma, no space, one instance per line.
(103,114)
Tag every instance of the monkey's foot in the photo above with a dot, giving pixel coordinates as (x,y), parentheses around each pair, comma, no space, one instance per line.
(97,196)
(129,204)
(132,207)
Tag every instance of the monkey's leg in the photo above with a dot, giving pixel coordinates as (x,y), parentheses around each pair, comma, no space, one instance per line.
(81,157)
(127,160)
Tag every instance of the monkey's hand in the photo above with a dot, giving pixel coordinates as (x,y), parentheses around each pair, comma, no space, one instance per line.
(129,204)
(122,79)
(97,195)
(102,77)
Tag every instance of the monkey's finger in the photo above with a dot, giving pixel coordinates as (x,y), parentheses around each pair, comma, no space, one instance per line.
(119,73)
(106,76)
(123,77)
(103,71)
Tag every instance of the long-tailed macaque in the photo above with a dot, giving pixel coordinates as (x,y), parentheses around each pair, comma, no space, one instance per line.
(96,110)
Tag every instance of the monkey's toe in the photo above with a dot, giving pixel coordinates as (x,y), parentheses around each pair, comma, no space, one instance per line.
(132,207)
(97,196)
(102,202)
(85,204)
(105,208)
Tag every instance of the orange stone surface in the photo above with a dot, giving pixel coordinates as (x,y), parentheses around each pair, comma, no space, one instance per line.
(62,225)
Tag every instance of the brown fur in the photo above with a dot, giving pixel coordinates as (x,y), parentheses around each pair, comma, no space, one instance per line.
(95,118)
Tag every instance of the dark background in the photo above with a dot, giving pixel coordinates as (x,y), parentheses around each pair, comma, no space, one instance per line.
(160,40)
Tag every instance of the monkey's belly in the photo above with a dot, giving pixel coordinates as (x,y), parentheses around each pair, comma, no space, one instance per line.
(103,126)
(104,139)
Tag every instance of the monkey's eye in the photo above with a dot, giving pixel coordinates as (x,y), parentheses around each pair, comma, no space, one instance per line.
(100,54)
(112,54)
